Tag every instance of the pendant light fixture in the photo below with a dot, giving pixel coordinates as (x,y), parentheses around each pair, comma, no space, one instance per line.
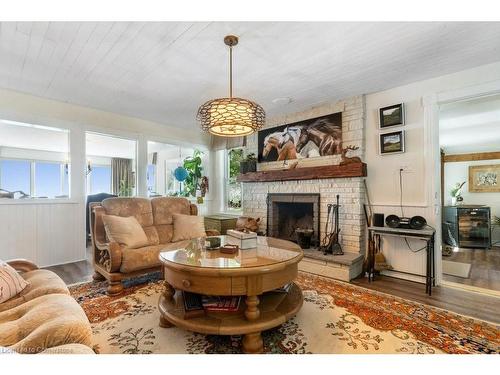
(231,117)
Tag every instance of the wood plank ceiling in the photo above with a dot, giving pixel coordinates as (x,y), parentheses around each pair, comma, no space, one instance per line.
(164,71)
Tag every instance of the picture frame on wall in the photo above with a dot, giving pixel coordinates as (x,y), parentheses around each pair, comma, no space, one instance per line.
(393,115)
(392,143)
(484,178)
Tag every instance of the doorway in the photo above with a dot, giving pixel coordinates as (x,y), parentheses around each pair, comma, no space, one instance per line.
(469,142)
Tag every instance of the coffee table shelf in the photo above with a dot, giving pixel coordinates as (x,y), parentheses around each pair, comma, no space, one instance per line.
(275,309)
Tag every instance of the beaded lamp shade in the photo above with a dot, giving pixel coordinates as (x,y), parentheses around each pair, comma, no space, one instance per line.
(231,117)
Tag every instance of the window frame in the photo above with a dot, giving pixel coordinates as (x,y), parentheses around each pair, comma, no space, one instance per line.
(32,162)
(227,183)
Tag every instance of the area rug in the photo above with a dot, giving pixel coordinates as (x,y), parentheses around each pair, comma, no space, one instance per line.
(336,317)
(456,268)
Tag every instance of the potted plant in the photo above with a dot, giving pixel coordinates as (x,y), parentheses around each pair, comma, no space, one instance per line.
(248,164)
(456,193)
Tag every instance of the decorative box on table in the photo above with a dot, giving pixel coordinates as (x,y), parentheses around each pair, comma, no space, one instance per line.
(220,222)
(245,240)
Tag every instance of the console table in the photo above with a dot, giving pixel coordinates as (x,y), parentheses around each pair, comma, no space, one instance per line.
(426,235)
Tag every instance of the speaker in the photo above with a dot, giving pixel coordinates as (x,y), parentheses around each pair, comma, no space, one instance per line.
(417,222)
(378,220)
(392,221)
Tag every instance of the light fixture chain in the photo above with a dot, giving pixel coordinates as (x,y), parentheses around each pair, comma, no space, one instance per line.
(231,72)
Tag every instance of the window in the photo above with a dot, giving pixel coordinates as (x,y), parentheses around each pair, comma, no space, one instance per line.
(34,178)
(49,181)
(34,160)
(233,187)
(163,159)
(151,179)
(100,179)
(111,164)
(15,175)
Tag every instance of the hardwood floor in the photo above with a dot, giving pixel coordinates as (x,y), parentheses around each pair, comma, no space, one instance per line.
(485,270)
(76,272)
(459,301)
(463,302)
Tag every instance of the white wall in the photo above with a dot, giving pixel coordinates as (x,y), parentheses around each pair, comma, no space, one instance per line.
(383,170)
(459,172)
(54,232)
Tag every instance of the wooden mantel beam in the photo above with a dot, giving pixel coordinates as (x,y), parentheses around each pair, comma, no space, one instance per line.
(471,157)
(306,173)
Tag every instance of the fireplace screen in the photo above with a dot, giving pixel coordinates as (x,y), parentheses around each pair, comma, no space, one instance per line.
(289,213)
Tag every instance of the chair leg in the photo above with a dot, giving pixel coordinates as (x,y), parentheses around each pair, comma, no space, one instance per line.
(114,288)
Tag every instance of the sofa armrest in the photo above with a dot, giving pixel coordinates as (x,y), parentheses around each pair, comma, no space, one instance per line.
(106,254)
(22,265)
(109,256)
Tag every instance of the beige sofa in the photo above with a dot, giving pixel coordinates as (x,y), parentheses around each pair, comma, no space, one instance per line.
(43,316)
(115,262)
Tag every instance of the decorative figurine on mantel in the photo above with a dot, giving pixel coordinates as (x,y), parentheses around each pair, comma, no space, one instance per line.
(349,160)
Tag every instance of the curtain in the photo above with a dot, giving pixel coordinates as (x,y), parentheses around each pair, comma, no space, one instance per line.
(122,176)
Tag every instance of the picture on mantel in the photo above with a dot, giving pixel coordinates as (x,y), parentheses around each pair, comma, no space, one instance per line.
(317,137)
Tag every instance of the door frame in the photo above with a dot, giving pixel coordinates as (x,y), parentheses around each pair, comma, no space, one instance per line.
(432,153)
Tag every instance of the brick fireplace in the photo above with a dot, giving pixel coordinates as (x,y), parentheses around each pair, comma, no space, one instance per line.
(266,199)
(288,212)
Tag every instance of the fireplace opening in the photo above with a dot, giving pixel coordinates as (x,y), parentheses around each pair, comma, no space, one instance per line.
(288,213)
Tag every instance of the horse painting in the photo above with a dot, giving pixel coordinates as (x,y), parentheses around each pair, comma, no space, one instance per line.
(311,138)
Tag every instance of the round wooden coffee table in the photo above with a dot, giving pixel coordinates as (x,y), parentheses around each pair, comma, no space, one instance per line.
(254,273)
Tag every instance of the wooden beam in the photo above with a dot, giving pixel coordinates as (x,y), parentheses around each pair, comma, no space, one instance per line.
(472,157)
(306,173)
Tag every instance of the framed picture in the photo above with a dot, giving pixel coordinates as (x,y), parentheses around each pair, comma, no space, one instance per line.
(484,178)
(392,143)
(393,115)
(316,137)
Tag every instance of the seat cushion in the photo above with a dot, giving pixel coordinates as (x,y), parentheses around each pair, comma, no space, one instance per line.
(11,283)
(125,230)
(41,282)
(44,322)
(146,257)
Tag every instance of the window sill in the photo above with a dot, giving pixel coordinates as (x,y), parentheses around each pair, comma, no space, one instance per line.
(7,201)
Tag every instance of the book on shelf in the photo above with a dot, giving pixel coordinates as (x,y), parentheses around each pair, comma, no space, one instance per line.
(221,303)
(284,289)
(193,307)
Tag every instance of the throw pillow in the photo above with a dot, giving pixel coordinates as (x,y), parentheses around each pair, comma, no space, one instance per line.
(187,227)
(11,283)
(125,230)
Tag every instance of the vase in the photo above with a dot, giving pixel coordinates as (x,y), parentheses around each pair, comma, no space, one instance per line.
(453,201)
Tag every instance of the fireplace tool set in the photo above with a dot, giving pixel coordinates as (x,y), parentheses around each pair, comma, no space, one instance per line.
(331,241)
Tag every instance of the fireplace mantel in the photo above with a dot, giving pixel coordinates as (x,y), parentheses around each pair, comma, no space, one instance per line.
(307,173)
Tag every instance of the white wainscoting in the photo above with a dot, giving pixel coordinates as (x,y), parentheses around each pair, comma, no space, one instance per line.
(45,232)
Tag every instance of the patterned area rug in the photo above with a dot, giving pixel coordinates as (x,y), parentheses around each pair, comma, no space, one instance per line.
(336,318)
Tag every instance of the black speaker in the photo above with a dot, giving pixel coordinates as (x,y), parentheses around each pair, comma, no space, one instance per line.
(392,221)
(378,220)
(417,222)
